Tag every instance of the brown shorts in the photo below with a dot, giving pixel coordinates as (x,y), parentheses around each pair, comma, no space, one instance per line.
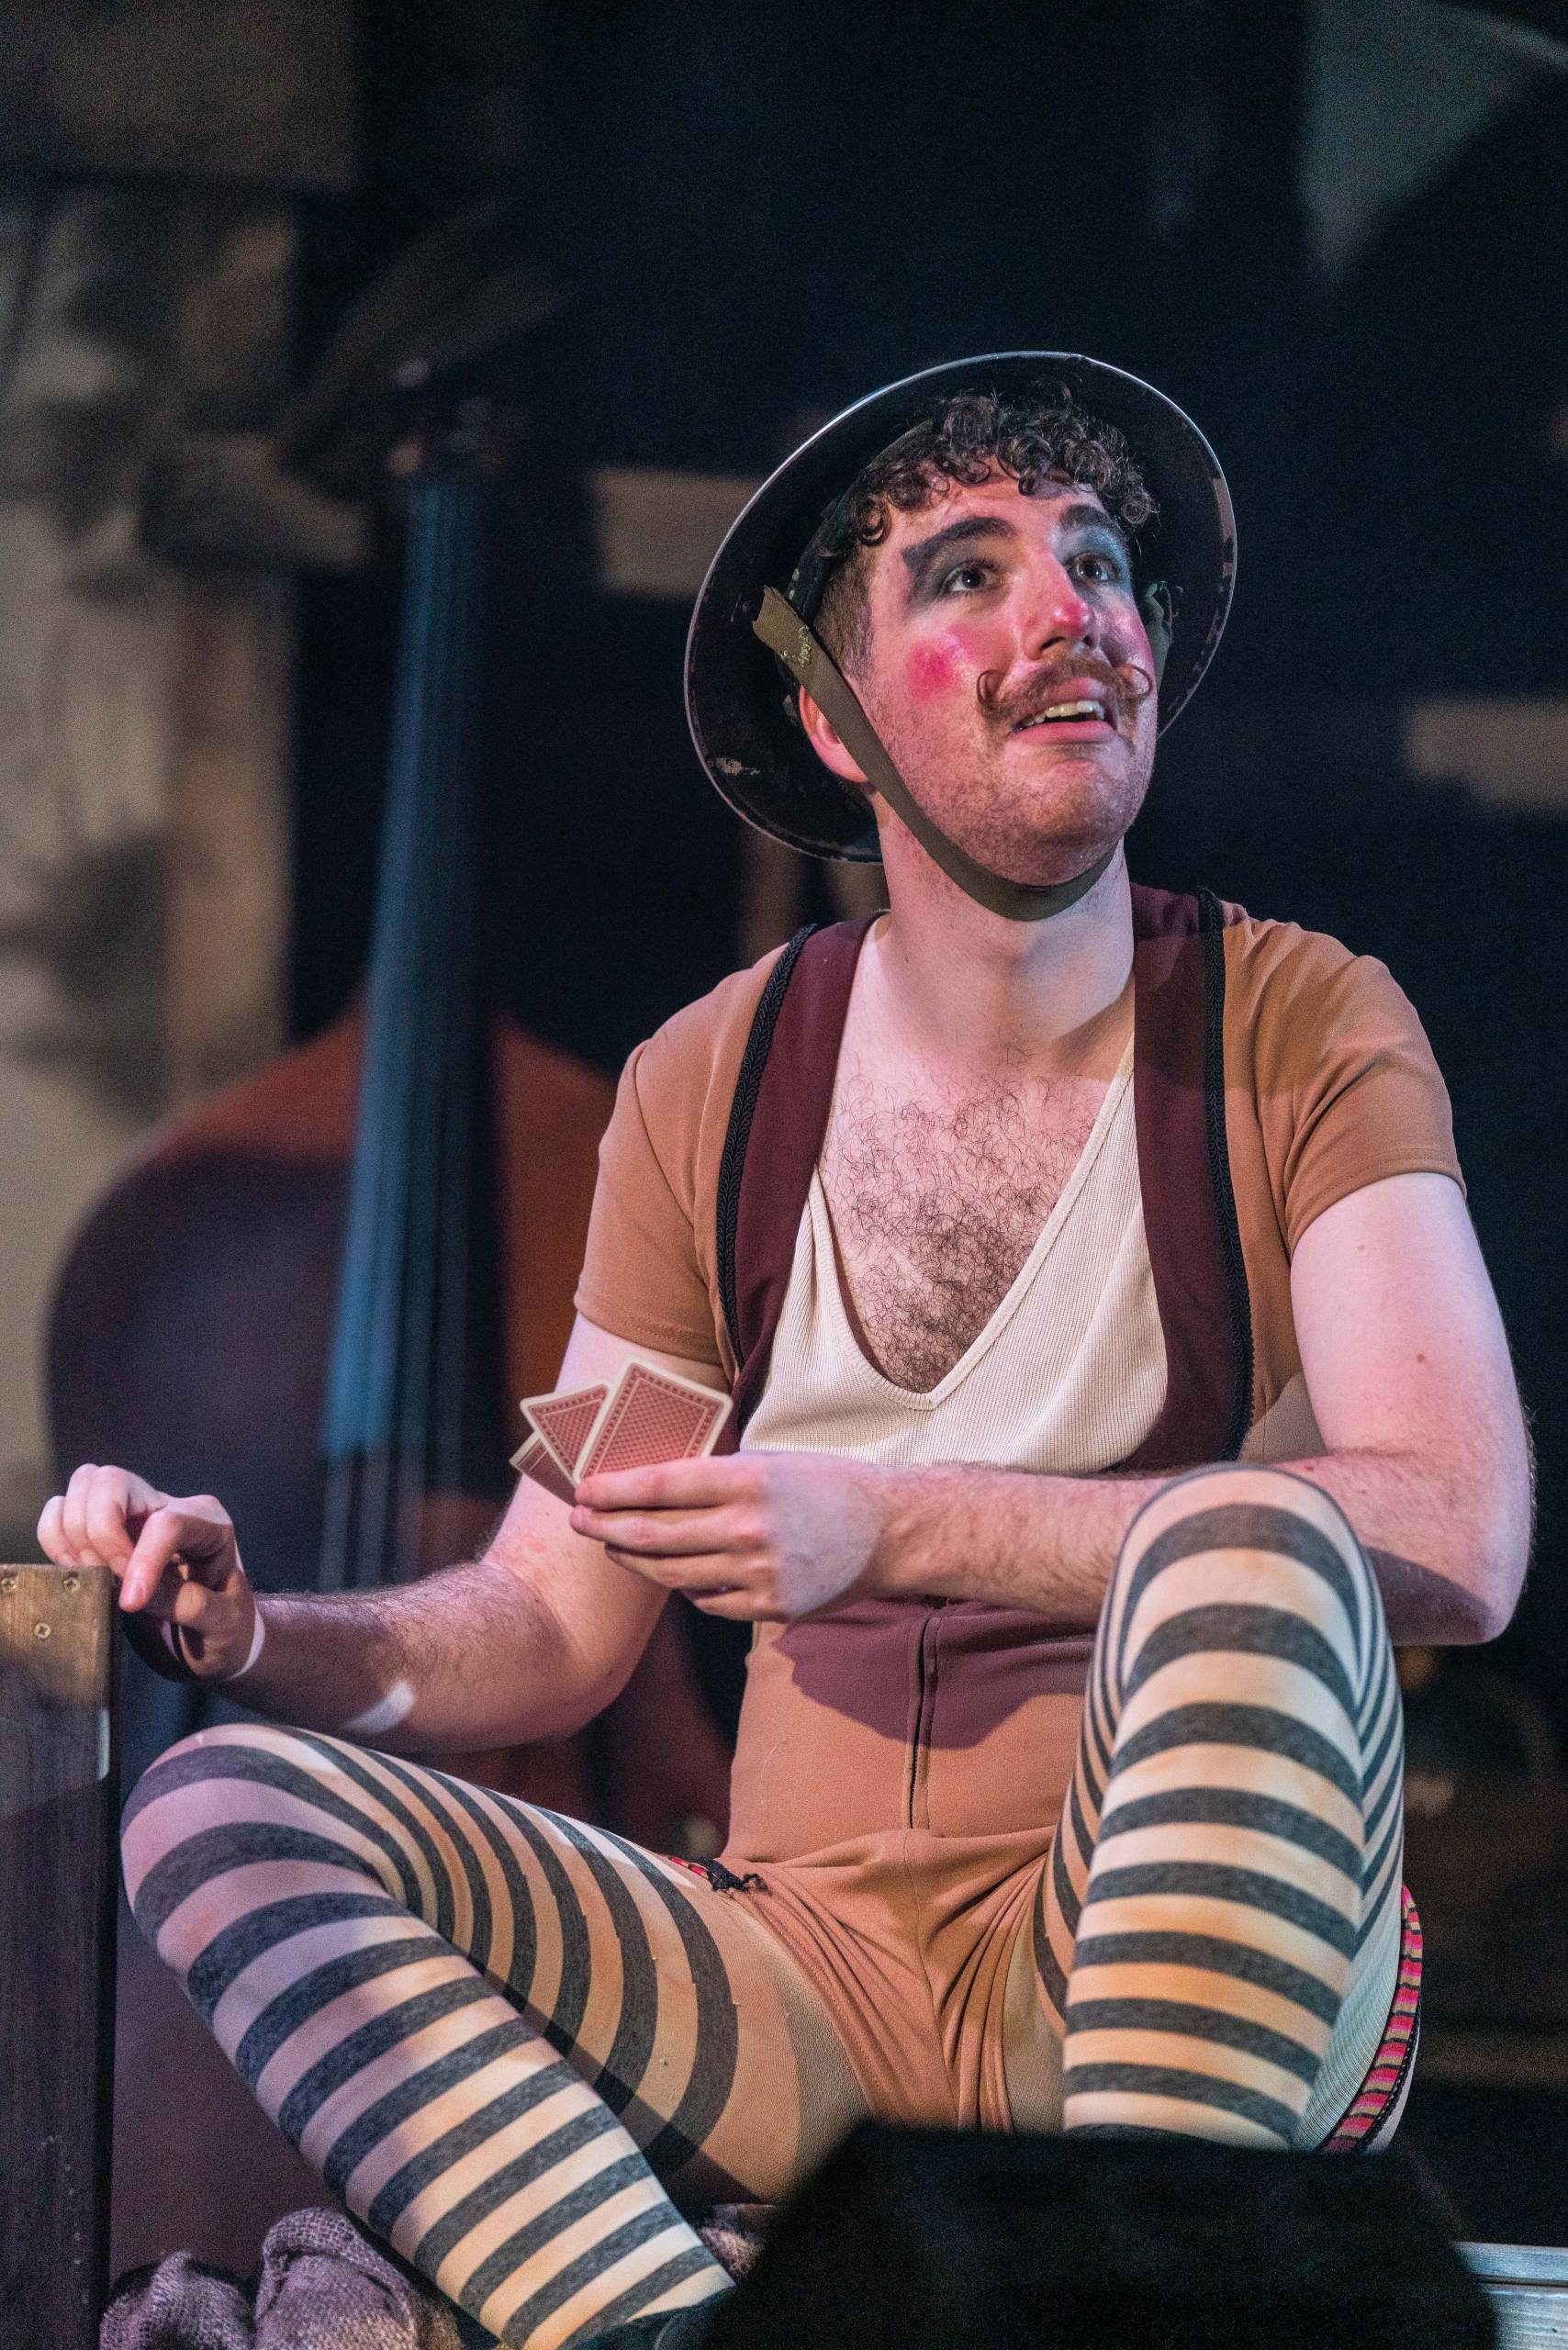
(917,1947)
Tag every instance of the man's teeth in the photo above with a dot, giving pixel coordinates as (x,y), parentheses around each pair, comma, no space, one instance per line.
(1066,710)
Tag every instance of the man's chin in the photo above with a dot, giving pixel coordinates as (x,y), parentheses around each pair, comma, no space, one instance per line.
(1048,843)
(1036,864)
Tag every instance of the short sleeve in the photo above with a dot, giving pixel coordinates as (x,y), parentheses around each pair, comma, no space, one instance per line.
(641,1277)
(1349,1082)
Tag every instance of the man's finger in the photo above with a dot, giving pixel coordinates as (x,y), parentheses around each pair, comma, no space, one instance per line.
(74,1512)
(52,1532)
(668,1535)
(109,1503)
(169,1533)
(692,1572)
(150,1561)
(670,1484)
(738,1607)
(193,1605)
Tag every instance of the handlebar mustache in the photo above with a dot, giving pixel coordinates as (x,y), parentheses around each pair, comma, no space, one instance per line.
(1124,687)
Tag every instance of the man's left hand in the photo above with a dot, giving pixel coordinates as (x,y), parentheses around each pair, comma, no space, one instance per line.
(756,1536)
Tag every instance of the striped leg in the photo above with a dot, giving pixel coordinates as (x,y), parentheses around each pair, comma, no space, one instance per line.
(1218,1933)
(500,2035)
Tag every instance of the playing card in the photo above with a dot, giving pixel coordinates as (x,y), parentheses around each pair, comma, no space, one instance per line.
(535,1459)
(565,1420)
(651,1415)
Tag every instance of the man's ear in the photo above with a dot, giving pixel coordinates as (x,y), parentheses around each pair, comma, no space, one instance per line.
(824,741)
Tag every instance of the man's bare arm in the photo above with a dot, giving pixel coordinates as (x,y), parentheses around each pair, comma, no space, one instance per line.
(529,1642)
(469,1657)
(1424,1448)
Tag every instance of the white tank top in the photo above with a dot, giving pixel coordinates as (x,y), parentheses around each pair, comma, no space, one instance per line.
(1066,1378)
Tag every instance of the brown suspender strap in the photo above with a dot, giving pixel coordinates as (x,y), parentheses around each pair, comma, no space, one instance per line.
(780,1118)
(784,633)
(1189,1207)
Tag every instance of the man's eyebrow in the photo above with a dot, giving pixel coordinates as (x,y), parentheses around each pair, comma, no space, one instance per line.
(920,558)
(1084,517)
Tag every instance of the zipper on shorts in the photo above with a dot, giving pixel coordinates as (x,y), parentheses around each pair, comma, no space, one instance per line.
(926,1670)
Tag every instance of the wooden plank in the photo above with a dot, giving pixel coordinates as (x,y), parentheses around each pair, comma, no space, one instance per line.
(1519,2263)
(1528,2319)
(57,1918)
(1527,2284)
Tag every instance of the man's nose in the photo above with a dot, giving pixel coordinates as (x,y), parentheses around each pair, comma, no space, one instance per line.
(1057,610)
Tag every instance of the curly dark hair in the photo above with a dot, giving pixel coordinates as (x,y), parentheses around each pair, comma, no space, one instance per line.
(1039,437)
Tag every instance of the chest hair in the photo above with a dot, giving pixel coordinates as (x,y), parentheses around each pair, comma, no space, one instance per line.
(936,1201)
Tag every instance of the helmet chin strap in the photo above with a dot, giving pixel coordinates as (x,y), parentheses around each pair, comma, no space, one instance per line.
(784,633)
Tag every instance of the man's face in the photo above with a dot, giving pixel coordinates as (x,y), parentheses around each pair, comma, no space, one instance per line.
(987,610)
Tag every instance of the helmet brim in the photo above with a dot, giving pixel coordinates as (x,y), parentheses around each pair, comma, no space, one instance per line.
(736,701)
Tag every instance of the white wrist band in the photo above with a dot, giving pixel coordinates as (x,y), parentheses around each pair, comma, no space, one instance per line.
(258,1639)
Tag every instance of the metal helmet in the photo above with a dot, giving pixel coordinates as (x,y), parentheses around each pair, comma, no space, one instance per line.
(755,609)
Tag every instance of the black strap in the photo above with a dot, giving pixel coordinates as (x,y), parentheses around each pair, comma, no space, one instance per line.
(784,633)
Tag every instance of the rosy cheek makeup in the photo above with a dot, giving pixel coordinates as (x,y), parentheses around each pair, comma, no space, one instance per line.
(933,668)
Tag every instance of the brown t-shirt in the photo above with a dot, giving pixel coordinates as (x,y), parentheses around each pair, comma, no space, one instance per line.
(1330,1085)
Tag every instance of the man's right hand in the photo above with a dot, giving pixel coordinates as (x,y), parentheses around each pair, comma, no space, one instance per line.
(177,1558)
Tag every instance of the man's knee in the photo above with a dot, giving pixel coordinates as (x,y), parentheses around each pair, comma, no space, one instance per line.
(1246,1505)
(214,1772)
(1247,1535)
(208,1813)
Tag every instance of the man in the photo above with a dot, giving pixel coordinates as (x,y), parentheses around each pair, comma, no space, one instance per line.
(1012,1220)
